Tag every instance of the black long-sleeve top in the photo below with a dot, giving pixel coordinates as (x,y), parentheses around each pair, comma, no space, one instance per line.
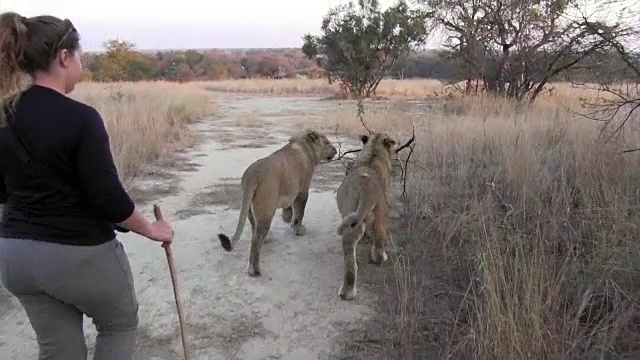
(70,139)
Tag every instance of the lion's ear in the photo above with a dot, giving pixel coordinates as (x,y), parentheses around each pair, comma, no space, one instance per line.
(364,139)
(313,135)
(389,143)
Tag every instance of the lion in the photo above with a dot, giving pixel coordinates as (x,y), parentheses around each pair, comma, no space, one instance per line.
(278,181)
(363,200)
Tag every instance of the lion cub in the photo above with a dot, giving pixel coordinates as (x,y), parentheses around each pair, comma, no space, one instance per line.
(278,181)
(363,200)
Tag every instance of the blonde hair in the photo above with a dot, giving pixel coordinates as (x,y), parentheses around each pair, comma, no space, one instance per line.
(28,46)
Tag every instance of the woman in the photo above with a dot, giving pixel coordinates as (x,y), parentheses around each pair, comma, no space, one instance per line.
(58,251)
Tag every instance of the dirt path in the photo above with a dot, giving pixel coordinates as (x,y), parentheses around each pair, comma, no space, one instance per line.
(291,312)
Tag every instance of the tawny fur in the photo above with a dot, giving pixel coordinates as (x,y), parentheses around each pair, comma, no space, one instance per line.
(278,181)
(363,201)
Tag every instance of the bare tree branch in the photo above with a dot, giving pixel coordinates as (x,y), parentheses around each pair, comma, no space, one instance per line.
(410,141)
(519,46)
(618,91)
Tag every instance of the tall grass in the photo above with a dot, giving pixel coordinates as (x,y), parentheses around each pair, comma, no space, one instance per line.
(521,234)
(145,120)
(418,88)
(408,89)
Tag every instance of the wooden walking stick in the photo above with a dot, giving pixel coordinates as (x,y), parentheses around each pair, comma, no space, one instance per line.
(174,281)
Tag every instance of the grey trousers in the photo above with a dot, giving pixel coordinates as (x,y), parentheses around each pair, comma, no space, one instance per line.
(58,284)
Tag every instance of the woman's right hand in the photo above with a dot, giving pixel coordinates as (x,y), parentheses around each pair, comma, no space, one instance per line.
(161,231)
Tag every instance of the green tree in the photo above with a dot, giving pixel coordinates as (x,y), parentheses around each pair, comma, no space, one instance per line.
(121,62)
(360,44)
(218,71)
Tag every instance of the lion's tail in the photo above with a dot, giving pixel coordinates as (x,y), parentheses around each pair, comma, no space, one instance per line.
(355,218)
(247,197)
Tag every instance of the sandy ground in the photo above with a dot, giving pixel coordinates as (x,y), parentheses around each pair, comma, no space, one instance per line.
(291,312)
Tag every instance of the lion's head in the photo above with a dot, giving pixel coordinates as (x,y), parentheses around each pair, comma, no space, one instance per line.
(318,144)
(378,146)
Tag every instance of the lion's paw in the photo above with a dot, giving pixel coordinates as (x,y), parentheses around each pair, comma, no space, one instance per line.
(347,293)
(377,256)
(268,238)
(254,271)
(299,229)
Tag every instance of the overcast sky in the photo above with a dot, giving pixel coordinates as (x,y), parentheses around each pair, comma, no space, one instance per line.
(187,23)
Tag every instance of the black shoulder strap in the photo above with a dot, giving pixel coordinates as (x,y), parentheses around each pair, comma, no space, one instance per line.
(14,144)
(13,141)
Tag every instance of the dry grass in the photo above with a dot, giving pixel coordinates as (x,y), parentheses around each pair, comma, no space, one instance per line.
(251,120)
(146,121)
(389,88)
(544,265)
(320,87)
(227,194)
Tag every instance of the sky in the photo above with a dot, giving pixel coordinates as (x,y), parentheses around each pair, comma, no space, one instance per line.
(193,24)
(186,24)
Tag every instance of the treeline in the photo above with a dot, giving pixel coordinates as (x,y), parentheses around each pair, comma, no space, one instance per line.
(121,61)
(439,65)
